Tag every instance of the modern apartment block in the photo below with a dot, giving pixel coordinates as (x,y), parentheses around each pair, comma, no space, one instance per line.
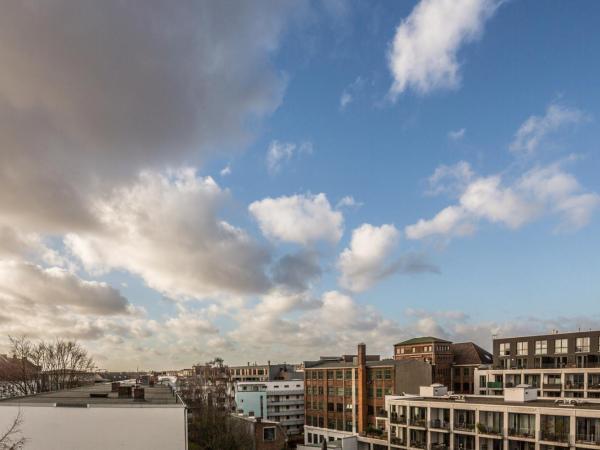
(266,372)
(557,365)
(452,365)
(277,401)
(345,396)
(517,421)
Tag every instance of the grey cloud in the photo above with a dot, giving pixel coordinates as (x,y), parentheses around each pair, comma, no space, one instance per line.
(97,91)
(297,270)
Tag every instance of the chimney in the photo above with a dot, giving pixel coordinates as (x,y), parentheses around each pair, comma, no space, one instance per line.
(362,388)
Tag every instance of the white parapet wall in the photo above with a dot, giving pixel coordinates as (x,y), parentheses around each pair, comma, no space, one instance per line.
(144,427)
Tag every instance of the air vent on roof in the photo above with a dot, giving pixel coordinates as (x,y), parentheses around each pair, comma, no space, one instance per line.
(70,405)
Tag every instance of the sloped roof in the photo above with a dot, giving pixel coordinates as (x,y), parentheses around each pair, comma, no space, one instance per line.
(469,353)
(423,340)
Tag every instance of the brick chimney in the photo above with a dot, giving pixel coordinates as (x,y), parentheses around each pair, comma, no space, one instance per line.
(362,388)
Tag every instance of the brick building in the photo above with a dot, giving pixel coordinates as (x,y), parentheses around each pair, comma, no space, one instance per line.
(452,365)
(345,395)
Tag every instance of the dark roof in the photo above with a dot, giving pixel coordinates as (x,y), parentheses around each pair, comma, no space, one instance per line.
(345,364)
(423,340)
(469,353)
(12,363)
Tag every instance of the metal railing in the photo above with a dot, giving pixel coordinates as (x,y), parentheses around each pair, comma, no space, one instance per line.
(464,426)
(418,423)
(522,432)
(439,424)
(553,436)
(593,439)
(485,429)
(418,444)
(398,419)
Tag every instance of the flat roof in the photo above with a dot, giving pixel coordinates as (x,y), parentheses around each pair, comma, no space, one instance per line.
(499,401)
(155,395)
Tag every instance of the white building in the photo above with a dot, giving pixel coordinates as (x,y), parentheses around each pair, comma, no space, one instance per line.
(95,417)
(519,420)
(280,401)
(575,382)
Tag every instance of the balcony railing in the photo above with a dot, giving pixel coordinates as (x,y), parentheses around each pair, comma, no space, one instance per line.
(381,413)
(494,384)
(418,423)
(437,446)
(594,385)
(553,436)
(485,429)
(398,419)
(397,441)
(418,444)
(574,385)
(593,439)
(522,432)
(463,426)
(551,385)
(439,424)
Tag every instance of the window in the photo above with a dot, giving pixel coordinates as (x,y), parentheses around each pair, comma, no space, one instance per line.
(522,348)
(541,347)
(387,373)
(339,374)
(402,350)
(269,434)
(504,348)
(330,374)
(561,346)
(379,392)
(582,345)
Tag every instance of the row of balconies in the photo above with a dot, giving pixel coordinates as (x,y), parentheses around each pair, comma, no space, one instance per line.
(571,385)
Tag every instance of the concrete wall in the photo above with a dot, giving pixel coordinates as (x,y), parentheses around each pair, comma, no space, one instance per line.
(248,401)
(411,375)
(117,428)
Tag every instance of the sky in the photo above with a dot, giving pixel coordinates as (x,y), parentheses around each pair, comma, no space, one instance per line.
(278,180)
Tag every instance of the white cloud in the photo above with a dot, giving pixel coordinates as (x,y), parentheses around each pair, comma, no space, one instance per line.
(165,228)
(225,171)
(348,202)
(541,191)
(280,153)
(366,260)
(303,219)
(533,131)
(450,179)
(351,91)
(457,135)
(423,54)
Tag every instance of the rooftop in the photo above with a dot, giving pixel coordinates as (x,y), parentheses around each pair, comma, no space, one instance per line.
(97,394)
(468,353)
(325,364)
(553,333)
(423,340)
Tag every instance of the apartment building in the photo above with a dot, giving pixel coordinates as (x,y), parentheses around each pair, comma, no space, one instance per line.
(266,372)
(265,434)
(345,396)
(277,401)
(452,365)
(517,421)
(557,365)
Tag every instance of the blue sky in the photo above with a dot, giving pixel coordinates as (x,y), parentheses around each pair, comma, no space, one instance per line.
(206,219)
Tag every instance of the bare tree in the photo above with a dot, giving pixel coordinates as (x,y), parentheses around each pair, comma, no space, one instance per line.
(45,366)
(11,439)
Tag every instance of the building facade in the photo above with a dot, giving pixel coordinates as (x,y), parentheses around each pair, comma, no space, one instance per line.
(452,365)
(277,401)
(557,365)
(265,434)
(517,421)
(266,372)
(345,396)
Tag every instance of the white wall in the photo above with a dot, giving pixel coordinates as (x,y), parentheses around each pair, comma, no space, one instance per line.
(117,428)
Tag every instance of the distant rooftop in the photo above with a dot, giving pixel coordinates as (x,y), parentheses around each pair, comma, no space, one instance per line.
(469,353)
(423,340)
(94,395)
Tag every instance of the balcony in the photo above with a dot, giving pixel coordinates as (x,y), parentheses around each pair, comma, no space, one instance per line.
(397,441)
(485,429)
(590,439)
(547,386)
(419,423)
(574,385)
(438,446)
(554,436)
(398,420)
(522,432)
(458,426)
(439,424)
(494,384)
(594,385)
(418,444)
